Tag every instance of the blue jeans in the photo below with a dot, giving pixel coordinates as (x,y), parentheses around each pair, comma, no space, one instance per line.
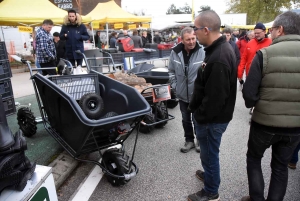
(295,155)
(209,137)
(187,121)
(37,64)
(282,150)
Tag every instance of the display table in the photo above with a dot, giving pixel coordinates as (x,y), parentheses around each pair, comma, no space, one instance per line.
(40,187)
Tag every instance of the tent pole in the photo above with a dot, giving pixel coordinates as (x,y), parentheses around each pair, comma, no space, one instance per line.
(151,32)
(2,33)
(91,24)
(107,42)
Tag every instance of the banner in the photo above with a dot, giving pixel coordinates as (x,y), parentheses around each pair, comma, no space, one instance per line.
(146,26)
(25,29)
(132,26)
(118,26)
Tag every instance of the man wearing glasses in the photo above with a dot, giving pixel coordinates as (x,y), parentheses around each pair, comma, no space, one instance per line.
(272,86)
(213,101)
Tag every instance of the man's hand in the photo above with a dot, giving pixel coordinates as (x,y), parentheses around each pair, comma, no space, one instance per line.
(66,35)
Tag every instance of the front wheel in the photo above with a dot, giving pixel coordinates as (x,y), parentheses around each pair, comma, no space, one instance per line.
(26,121)
(117,162)
(162,113)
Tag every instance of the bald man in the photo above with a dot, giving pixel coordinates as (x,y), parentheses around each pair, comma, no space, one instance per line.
(213,100)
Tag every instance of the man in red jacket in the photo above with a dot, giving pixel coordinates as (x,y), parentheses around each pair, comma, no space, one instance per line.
(260,41)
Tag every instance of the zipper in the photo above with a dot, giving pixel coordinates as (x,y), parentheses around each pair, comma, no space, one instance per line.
(187,81)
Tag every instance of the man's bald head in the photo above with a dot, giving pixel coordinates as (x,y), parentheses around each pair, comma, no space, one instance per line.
(209,19)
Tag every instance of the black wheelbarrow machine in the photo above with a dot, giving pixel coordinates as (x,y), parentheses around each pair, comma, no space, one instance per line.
(92,113)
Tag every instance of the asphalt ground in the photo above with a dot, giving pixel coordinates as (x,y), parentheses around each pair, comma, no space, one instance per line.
(167,174)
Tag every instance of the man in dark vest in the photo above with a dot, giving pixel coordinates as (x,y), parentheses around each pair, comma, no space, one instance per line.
(273,88)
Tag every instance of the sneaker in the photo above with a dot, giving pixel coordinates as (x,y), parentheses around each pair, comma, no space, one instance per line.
(197,146)
(251,111)
(200,175)
(187,147)
(292,166)
(203,196)
(246,198)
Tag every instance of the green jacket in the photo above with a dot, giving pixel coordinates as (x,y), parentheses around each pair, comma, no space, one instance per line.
(279,91)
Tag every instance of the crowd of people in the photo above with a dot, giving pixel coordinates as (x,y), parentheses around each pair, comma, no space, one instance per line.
(204,75)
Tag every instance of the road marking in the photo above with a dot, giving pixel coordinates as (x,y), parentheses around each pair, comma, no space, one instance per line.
(87,188)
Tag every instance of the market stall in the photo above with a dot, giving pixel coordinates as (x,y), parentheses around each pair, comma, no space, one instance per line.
(31,13)
(111,13)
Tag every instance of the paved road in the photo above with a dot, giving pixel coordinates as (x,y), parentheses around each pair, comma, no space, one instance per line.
(167,174)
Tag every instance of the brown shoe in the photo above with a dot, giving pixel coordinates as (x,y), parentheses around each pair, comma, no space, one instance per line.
(292,166)
(246,198)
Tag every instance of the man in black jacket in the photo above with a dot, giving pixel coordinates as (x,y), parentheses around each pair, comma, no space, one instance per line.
(213,100)
(228,33)
(60,47)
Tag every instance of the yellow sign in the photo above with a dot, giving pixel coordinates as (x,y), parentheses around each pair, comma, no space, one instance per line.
(118,26)
(95,25)
(25,29)
(146,26)
(132,26)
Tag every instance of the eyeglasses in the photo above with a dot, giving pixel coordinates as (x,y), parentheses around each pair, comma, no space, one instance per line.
(257,33)
(272,28)
(200,28)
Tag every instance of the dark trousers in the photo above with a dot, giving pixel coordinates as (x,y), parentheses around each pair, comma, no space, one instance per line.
(282,149)
(187,121)
(295,156)
(46,65)
(78,61)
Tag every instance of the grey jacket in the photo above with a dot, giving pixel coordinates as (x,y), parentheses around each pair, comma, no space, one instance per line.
(137,40)
(181,81)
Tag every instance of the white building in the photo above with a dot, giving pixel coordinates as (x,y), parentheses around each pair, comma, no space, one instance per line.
(234,19)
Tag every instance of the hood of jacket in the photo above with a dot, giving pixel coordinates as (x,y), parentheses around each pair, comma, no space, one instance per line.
(78,20)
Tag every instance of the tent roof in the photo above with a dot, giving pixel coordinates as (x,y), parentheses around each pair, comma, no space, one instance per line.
(110,12)
(29,12)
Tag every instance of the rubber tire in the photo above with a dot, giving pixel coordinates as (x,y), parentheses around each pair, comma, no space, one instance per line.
(149,119)
(172,103)
(162,113)
(92,111)
(26,121)
(121,161)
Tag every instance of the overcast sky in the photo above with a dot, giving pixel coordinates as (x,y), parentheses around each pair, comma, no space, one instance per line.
(160,7)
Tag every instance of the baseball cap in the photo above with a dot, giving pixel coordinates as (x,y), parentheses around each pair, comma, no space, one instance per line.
(260,26)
